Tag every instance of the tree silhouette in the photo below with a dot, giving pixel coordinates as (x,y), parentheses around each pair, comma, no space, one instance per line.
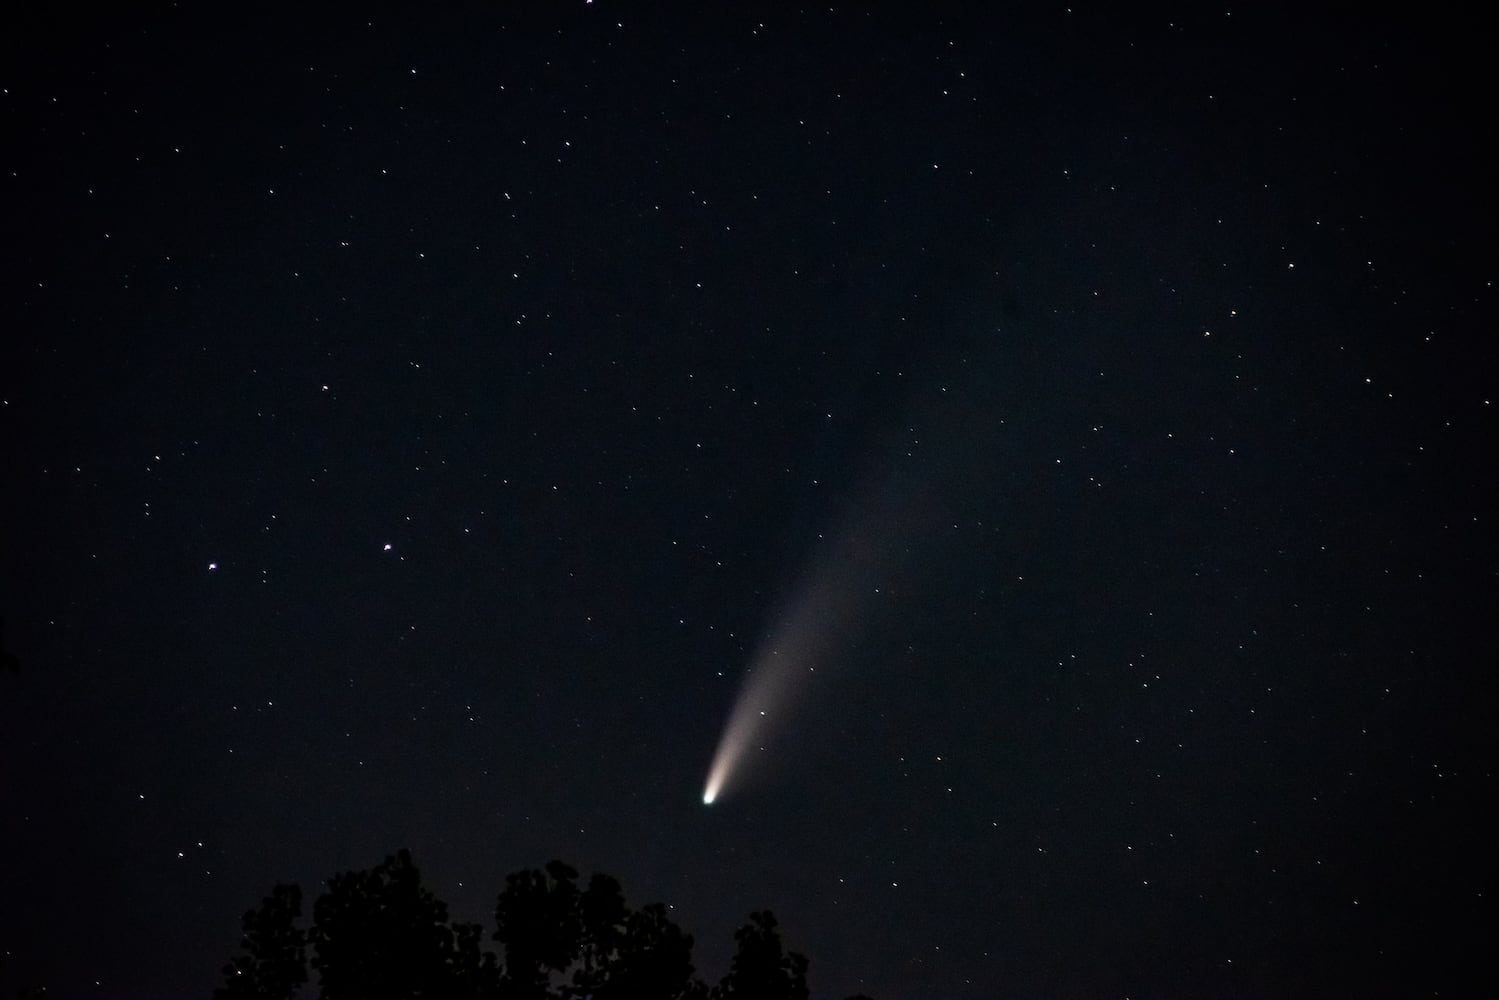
(603,918)
(275,960)
(382,935)
(476,973)
(761,969)
(654,959)
(547,926)
(537,920)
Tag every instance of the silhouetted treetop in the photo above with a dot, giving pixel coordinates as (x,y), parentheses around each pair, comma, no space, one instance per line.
(382,935)
(274,962)
(380,932)
(762,969)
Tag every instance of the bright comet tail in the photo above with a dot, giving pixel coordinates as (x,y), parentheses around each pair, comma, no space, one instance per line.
(898,512)
(800,644)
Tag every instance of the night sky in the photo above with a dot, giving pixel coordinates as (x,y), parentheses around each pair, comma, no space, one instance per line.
(1074,430)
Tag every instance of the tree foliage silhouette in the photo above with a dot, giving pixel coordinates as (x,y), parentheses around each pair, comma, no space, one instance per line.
(537,920)
(274,962)
(762,969)
(382,935)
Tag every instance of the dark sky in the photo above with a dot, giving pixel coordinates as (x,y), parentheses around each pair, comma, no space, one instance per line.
(416,429)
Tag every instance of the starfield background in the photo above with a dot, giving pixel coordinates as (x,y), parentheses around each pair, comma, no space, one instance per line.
(415,425)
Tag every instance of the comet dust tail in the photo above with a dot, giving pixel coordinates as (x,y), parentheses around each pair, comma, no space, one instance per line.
(737,737)
(895,521)
(801,643)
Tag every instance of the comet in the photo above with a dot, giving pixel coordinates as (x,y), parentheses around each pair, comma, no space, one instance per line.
(846,583)
(769,683)
(897,519)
